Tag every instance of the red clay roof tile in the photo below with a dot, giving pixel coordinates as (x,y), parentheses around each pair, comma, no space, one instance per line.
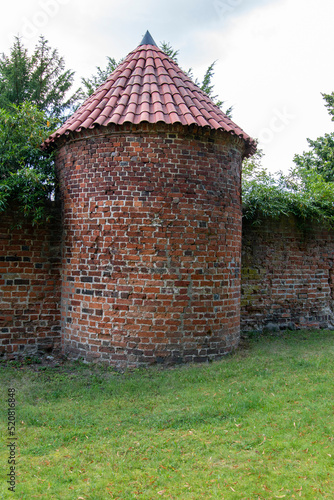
(149,87)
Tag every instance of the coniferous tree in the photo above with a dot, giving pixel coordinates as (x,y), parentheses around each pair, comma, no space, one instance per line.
(320,157)
(33,102)
(14,75)
(40,78)
(92,83)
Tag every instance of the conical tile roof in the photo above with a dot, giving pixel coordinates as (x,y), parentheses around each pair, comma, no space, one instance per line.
(148,86)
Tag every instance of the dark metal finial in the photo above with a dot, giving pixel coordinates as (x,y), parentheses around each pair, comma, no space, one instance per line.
(148,40)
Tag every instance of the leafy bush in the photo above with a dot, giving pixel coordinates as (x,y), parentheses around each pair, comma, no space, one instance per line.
(27,175)
(304,193)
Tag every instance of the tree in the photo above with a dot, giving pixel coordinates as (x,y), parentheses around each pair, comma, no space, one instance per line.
(321,155)
(320,158)
(92,83)
(33,102)
(304,193)
(27,175)
(40,78)
(207,87)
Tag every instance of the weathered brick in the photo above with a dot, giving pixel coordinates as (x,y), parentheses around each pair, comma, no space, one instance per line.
(151,256)
(31,255)
(166,212)
(287,276)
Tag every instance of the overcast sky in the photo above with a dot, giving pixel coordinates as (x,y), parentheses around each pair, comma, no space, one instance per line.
(274,57)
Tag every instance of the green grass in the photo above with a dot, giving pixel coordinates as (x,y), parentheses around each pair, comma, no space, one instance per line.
(257,425)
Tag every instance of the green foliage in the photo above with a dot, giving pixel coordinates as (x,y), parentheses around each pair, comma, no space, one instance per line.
(329,103)
(264,195)
(320,157)
(168,49)
(40,78)
(33,102)
(208,87)
(92,83)
(14,75)
(303,193)
(307,192)
(26,172)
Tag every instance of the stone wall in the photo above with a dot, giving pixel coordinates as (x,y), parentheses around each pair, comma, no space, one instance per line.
(287,276)
(29,286)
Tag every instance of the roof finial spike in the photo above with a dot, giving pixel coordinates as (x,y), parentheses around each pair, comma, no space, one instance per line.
(148,40)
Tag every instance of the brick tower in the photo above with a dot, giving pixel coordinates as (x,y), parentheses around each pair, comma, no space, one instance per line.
(149,172)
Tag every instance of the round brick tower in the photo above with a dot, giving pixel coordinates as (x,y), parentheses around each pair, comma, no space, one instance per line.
(149,172)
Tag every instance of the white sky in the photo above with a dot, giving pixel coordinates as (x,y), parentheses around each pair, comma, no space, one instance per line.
(274,57)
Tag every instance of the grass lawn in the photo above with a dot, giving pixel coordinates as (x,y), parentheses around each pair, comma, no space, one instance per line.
(256,425)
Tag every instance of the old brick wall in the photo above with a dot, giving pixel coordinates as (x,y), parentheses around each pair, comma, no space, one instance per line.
(287,276)
(152,244)
(29,286)
(178,297)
